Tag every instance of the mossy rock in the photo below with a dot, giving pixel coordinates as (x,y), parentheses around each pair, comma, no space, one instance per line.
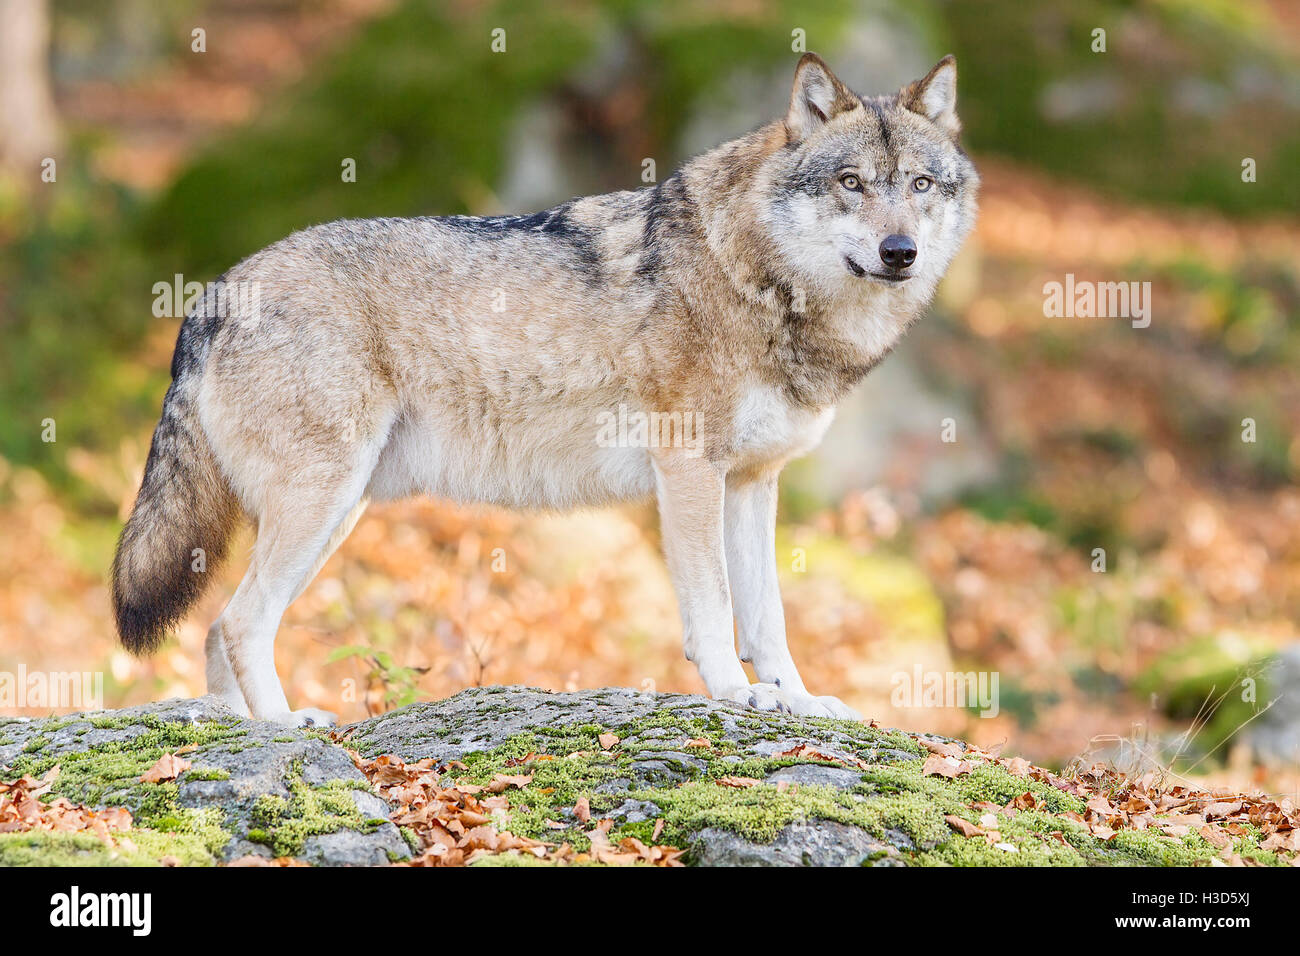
(213,812)
(729,786)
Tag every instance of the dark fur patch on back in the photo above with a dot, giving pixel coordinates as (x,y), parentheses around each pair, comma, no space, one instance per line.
(556,223)
(669,215)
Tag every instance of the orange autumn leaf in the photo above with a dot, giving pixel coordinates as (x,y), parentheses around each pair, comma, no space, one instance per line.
(168,767)
(962,825)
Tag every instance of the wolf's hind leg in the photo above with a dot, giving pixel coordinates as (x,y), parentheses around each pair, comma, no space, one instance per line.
(221,679)
(337,538)
(297,529)
(750,519)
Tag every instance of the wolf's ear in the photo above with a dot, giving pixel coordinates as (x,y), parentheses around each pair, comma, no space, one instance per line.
(935,95)
(817,96)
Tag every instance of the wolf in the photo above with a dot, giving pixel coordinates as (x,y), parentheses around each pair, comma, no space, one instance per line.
(472,358)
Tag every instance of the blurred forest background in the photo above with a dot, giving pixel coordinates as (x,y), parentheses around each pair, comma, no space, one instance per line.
(898,550)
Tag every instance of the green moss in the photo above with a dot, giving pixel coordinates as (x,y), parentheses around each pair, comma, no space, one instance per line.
(42,848)
(411,839)
(884,802)
(995,784)
(109,773)
(206,773)
(512,858)
(284,824)
(893,796)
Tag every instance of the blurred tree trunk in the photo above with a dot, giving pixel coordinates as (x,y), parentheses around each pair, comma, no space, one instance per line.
(29,128)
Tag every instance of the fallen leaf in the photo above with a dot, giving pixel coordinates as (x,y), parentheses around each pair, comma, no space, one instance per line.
(946,748)
(168,767)
(1215,836)
(739,782)
(941,766)
(963,826)
(1018,767)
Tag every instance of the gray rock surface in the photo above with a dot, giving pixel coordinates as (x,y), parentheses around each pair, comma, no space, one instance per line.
(1275,735)
(277,790)
(813,843)
(250,760)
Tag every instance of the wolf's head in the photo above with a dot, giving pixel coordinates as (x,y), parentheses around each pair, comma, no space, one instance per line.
(870,195)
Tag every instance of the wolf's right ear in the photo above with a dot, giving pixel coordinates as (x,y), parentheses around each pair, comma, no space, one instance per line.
(817,96)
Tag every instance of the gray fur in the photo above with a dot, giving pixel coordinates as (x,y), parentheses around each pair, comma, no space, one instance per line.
(472,358)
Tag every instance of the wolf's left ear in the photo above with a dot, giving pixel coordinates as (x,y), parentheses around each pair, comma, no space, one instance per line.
(817,96)
(935,95)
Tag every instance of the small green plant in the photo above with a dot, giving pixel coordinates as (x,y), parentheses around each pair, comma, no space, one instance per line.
(400,683)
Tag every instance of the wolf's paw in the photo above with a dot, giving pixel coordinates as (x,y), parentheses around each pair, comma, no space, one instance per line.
(307,717)
(806,705)
(773,697)
(837,708)
(762,697)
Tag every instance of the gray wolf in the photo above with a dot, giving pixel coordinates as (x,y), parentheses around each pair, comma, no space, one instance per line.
(478,359)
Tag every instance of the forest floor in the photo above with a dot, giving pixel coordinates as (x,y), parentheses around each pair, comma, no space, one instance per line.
(1109,437)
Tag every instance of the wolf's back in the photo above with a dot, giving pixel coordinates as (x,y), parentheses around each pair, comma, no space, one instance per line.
(183,517)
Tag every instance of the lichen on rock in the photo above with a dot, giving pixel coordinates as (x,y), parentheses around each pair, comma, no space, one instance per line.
(728,786)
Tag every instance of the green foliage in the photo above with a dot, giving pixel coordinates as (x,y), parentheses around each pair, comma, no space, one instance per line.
(401,684)
(74,299)
(1216,684)
(1168,127)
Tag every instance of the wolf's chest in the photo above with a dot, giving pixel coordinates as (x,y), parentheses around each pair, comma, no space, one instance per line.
(769,429)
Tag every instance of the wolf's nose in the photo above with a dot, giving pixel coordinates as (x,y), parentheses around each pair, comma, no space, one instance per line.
(897,252)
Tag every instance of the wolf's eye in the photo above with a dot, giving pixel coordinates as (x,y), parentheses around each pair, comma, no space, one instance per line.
(922,183)
(851,183)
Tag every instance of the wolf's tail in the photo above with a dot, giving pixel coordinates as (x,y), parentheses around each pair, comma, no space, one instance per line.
(179,528)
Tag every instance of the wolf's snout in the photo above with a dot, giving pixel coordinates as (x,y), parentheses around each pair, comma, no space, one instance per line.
(897,251)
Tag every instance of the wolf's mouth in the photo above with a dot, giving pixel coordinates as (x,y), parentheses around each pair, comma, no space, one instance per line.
(893,278)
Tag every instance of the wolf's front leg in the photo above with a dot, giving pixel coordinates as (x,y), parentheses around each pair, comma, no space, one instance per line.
(691,493)
(750,530)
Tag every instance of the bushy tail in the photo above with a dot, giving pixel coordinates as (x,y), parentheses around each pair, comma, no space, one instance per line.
(178,530)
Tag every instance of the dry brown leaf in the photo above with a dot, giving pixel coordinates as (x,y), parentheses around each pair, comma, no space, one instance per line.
(168,767)
(1018,767)
(963,826)
(943,747)
(1215,836)
(941,766)
(738,782)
